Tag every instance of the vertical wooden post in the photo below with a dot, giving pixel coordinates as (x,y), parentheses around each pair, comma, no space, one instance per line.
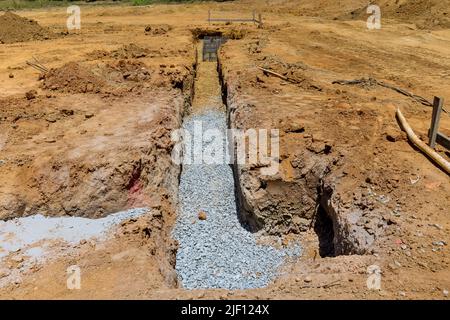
(209,16)
(260,20)
(437,108)
(254,17)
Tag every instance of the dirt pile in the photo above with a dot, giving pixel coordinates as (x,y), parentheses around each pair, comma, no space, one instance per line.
(431,13)
(426,14)
(294,73)
(128,51)
(14,28)
(157,29)
(226,31)
(116,77)
(128,70)
(73,78)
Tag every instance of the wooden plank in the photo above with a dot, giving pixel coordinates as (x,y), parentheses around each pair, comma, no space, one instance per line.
(436,116)
(231,20)
(443,140)
(253,19)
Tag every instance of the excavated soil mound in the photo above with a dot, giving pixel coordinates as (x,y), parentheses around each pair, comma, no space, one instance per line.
(73,78)
(157,29)
(129,51)
(431,13)
(127,70)
(14,28)
(111,77)
(229,33)
(427,14)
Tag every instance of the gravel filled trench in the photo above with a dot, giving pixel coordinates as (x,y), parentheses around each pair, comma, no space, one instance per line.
(218,252)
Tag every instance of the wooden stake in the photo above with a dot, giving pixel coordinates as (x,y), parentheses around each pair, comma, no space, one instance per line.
(437,108)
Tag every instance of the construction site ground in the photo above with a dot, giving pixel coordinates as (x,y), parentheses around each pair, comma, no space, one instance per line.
(93,136)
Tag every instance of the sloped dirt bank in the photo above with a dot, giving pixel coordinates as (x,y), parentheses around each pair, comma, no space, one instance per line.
(93,142)
(425,14)
(121,164)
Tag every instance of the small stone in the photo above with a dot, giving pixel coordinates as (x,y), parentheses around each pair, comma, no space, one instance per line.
(307,279)
(445,292)
(259,79)
(49,140)
(30,95)
(11,76)
(89,87)
(392,135)
(392,266)
(51,118)
(202,215)
(67,112)
(404,246)
(17,259)
(422,264)
(403,294)
(88,115)
(4,273)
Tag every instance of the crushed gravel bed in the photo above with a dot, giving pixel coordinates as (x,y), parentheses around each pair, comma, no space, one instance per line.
(218,252)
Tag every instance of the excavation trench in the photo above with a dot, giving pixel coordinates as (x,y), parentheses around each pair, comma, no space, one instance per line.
(215,250)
